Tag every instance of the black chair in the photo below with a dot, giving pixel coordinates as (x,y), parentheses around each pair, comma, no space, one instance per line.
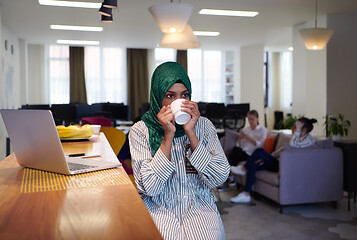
(64,113)
(216,112)
(279,118)
(36,106)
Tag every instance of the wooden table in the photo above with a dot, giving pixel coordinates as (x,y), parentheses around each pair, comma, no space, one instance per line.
(41,205)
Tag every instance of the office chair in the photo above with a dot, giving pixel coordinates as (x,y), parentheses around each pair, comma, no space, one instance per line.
(279,118)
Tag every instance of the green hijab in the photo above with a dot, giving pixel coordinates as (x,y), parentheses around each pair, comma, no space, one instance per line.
(164,76)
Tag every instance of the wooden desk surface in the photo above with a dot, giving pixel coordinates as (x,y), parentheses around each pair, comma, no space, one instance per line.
(85,206)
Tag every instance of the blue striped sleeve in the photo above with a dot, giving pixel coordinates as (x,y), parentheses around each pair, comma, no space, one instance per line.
(150,173)
(209,158)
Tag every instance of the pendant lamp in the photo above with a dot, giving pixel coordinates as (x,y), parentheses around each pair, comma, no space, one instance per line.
(108,19)
(110,3)
(316,38)
(105,11)
(180,40)
(171,17)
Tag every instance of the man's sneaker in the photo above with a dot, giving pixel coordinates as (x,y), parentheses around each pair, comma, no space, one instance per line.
(237,170)
(241,198)
(232,181)
(223,187)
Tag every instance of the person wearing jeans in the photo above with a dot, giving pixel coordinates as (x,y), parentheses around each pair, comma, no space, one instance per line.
(262,160)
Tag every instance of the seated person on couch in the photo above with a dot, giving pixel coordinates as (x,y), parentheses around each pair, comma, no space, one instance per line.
(262,160)
(249,138)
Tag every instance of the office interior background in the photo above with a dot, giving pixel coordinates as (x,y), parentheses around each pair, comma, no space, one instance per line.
(34,68)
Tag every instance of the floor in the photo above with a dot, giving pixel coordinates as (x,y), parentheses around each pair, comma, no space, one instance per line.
(262,220)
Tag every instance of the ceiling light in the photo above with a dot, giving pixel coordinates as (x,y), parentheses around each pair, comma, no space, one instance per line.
(69,4)
(315,38)
(76,28)
(233,13)
(291,49)
(77,42)
(110,3)
(206,33)
(180,40)
(105,11)
(108,19)
(171,17)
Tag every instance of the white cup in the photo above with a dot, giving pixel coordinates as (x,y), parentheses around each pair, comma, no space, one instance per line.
(181,117)
(96,129)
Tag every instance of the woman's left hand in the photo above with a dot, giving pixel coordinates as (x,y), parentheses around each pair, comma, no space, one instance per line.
(192,109)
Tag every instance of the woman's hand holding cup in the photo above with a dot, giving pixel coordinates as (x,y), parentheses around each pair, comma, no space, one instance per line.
(166,118)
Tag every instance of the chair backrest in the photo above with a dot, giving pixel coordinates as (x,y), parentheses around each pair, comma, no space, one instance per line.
(115,137)
(102,121)
(279,118)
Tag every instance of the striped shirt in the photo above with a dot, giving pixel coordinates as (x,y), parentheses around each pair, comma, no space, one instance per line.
(302,142)
(181,204)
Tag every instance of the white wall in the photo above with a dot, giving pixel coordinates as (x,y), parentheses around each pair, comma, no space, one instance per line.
(237,77)
(10,86)
(342,69)
(251,78)
(37,87)
(309,79)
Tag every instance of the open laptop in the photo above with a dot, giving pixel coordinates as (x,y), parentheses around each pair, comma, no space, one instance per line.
(36,144)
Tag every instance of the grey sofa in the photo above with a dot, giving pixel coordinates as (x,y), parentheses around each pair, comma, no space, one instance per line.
(309,175)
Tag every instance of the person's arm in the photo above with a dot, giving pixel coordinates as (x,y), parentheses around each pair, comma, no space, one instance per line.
(192,109)
(259,139)
(150,172)
(208,158)
(167,120)
(306,141)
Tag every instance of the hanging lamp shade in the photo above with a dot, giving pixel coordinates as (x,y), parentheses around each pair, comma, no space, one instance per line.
(316,38)
(105,11)
(108,19)
(171,17)
(180,40)
(110,3)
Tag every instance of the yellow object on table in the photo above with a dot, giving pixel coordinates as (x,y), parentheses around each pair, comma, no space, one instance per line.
(75,131)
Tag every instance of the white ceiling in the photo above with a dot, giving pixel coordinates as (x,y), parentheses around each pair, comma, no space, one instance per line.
(134,27)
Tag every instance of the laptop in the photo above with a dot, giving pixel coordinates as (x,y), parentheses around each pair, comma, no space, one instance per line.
(36,144)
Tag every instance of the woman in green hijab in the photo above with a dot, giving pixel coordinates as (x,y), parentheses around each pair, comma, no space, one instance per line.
(176,166)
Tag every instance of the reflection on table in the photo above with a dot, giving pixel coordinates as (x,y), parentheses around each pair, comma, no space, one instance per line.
(36,204)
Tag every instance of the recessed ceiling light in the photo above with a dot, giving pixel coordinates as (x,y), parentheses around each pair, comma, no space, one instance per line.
(206,33)
(77,42)
(70,4)
(291,49)
(229,13)
(76,28)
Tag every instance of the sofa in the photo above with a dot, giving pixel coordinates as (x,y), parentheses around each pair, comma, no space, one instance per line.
(306,175)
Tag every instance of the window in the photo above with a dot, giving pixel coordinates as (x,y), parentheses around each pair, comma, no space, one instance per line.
(205,69)
(58,74)
(105,75)
(164,55)
(286,81)
(266,79)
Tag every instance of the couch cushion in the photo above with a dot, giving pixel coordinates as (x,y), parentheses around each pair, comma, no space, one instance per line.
(324,143)
(230,140)
(269,144)
(268,177)
(282,139)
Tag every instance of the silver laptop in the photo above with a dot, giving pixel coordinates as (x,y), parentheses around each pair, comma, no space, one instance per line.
(36,144)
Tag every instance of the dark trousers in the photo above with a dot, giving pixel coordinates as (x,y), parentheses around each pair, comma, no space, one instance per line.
(268,162)
(237,155)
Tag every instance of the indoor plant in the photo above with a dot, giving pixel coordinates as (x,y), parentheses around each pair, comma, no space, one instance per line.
(289,121)
(337,126)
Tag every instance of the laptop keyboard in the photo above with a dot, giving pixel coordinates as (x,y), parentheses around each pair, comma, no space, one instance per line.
(77,166)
